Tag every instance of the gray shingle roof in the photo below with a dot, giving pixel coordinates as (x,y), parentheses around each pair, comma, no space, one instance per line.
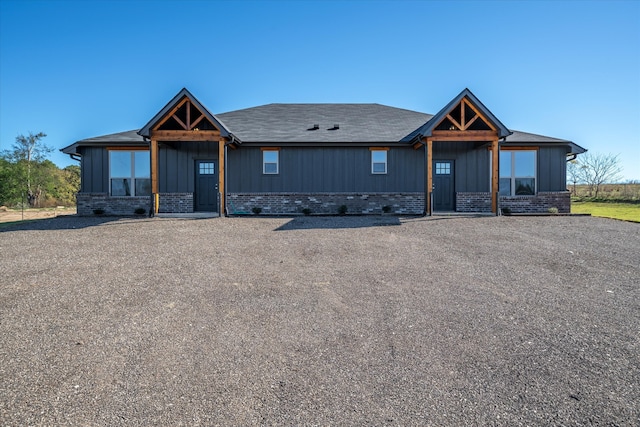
(290,123)
(129,137)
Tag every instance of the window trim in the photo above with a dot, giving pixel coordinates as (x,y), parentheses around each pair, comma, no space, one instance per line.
(513,177)
(265,163)
(374,150)
(132,173)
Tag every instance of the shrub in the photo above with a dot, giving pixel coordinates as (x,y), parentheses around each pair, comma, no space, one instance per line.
(306,211)
(342,209)
(386,209)
(98,211)
(256,210)
(140,211)
(506,211)
(553,210)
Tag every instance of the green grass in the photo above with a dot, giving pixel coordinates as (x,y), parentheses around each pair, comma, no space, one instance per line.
(623,211)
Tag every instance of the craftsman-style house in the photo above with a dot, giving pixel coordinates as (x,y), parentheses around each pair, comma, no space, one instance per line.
(286,158)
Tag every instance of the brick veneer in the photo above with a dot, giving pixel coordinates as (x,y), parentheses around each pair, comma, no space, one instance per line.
(111,205)
(540,203)
(176,203)
(473,202)
(325,203)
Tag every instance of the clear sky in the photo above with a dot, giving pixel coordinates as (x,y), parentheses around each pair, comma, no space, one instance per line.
(567,69)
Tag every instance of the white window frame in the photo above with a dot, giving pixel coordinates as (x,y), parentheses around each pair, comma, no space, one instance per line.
(374,151)
(132,173)
(513,177)
(265,163)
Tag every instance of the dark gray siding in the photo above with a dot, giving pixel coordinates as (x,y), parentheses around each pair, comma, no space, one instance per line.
(472,164)
(325,169)
(94,176)
(552,169)
(176,164)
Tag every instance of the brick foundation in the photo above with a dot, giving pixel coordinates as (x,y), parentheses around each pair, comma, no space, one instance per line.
(325,203)
(111,205)
(176,203)
(473,202)
(540,203)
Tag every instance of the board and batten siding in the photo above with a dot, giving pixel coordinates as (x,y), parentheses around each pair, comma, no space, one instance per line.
(94,170)
(552,169)
(472,164)
(325,169)
(176,164)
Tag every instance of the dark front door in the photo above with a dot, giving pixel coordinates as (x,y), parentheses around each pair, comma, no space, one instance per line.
(443,190)
(206,197)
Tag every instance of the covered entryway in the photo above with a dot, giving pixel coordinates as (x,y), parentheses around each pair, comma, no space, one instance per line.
(206,191)
(443,185)
(464,120)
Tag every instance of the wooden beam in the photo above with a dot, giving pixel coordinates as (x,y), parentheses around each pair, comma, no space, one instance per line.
(170,113)
(188,125)
(495,174)
(154,170)
(221,183)
(462,119)
(488,122)
(454,121)
(429,175)
(198,120)
(180,122)
(186,135)
(462,136)
(466,125)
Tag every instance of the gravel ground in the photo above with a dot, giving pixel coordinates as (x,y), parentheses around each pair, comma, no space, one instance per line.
(443,321)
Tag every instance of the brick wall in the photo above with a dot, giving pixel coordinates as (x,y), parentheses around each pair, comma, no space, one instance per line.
(176,203)
(325,203)
(88,202)
(540,203)
(473,202)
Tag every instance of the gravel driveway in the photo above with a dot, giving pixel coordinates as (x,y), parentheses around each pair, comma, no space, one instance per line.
(442,321)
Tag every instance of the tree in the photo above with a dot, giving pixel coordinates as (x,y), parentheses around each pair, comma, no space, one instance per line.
(574,174)
(26,151)
(597,169)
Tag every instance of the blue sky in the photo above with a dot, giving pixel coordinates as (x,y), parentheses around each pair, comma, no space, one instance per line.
(568,69)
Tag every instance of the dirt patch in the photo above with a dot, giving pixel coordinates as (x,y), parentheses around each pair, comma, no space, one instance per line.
(11,215)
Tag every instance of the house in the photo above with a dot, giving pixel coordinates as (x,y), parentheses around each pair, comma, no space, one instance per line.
(283,158)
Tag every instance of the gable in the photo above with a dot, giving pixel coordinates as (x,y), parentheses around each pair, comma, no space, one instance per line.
(464,113)
(184,113)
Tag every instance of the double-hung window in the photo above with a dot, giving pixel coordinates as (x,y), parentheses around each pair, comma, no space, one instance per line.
(129,173)
(518,173)
(378,161)
(270,162)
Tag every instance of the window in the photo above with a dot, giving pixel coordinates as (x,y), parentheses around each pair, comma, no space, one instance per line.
(129,173)
(518,173)
(378,161)
(270,162)
(443,168)
(206,168)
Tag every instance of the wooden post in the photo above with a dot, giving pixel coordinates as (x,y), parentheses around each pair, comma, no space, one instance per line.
(429,175)
(221,189)
(154,172)
(495,175)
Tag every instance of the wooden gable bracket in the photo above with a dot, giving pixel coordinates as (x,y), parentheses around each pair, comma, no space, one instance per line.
(190,125)
(464,122)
